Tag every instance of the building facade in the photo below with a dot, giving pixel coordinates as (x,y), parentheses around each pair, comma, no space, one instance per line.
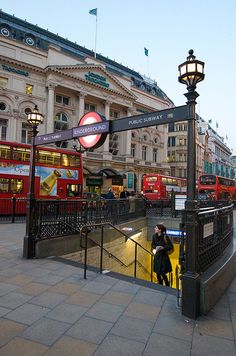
(65,81)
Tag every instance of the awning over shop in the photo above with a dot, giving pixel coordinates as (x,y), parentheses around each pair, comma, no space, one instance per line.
(109,172)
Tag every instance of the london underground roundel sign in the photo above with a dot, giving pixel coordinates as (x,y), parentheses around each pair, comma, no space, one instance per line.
(97,139)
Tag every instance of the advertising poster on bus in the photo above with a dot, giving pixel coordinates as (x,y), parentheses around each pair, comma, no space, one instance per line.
(48,176)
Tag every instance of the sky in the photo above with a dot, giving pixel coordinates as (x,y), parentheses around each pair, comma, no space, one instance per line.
(168,29)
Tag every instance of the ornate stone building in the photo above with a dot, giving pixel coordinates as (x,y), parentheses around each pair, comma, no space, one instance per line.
(65,80)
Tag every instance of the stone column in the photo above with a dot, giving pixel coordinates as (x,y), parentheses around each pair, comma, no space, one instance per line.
(12,133)
(81,97)
(50,109)
(127,139)
(105,147)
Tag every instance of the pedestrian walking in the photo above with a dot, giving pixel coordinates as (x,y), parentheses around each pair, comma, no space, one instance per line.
(161,244)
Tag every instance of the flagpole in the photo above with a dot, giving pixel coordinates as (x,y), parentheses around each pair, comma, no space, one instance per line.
(148,66)
(95,51)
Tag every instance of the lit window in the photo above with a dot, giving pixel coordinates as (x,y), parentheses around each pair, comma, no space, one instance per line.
(29,89)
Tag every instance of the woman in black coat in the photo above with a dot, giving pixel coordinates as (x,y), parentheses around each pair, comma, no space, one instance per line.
(160,245)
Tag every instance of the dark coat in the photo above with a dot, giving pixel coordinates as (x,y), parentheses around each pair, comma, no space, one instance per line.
(110,195)
(124,194)
(162,264)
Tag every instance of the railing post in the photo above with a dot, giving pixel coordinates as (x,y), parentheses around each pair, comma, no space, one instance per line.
(151,268)
(191,278)
(13,209)
(101,255)
(85,254)
(135,260)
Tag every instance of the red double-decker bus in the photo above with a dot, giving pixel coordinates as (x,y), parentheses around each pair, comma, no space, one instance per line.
(159,187)
(58,173)
(212,187)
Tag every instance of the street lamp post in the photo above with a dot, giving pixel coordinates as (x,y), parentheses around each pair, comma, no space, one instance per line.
(191,72)
(34,119)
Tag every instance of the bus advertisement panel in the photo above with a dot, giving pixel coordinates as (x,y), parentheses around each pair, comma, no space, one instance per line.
(58,172)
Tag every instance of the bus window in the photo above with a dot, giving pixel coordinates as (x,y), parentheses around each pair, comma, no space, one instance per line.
(21,154)
(5,151)
(16,186)
(73,190)
(4,185)
(207,179)
(70,160)
(49,158)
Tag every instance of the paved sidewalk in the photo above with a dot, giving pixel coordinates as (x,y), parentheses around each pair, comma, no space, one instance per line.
(47,308)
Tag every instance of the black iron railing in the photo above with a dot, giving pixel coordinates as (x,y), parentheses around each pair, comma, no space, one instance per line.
(84,244)
(12,209)
(215,233)
(54,218)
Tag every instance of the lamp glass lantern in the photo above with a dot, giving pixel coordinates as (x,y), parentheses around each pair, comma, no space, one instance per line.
(191,72)
(35,118)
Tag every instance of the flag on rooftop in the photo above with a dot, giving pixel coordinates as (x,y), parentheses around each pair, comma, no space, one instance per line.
(93,12)
(146,51)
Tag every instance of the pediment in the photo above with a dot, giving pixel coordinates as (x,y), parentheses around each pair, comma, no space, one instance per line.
(94,75)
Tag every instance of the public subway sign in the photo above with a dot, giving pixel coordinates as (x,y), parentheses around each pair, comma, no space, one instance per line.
(93,128)
(161,117)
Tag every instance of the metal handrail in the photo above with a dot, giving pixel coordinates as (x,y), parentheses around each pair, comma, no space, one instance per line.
(109,253)
(85,228)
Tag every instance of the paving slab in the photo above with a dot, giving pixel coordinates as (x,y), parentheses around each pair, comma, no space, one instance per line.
(19,347)
(27,313)
(68,346)
(212,345)
(164,345)
(67,313)
(131,328)
(119,346)
(45,331)
(90,329)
